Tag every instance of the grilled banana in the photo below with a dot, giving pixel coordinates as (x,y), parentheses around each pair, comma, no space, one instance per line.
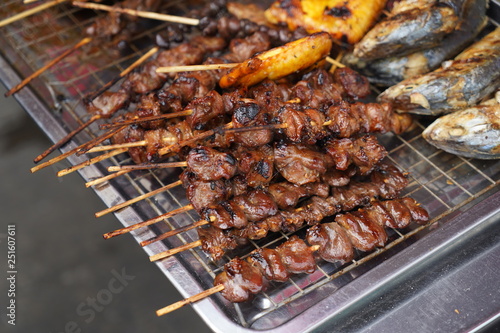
(346,21)
(280,61)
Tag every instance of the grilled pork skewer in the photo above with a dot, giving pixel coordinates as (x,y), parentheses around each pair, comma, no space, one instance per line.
(201,160)
(386,184)
(363,229)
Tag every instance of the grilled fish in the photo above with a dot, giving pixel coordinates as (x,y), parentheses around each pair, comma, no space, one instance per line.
(457,84)
(390,71)
(412,25)
(472,132)
(346,21)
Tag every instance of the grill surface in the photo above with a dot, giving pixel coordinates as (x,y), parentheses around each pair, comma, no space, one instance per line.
(447,186)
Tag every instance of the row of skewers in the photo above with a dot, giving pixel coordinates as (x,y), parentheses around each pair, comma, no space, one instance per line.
(275,143)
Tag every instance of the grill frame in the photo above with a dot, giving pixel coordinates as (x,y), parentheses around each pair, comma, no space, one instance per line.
(451,225)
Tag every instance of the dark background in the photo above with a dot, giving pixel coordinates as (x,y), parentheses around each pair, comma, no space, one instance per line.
(62,260)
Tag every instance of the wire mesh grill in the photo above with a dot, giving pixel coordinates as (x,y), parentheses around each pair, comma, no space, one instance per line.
(441,182)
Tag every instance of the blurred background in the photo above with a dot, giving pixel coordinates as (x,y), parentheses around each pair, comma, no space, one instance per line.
(65,270)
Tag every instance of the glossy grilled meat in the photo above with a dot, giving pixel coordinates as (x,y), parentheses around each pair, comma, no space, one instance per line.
(237,212)
(364,229)
(201,194)
(385,183)
(244,278)
(362,151)
(333,241)
(300,163)
(210,164)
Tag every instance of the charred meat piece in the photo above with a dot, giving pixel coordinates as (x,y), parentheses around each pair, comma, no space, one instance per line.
(300,164)
(335,244)
(318,89)
(202,194)
(348,119)
(355,85)
(287,195)
(108,103)
(209,164)
(302,124)
(248,115)
(207,111)
(241,280)
(257,204)
(256,165)
(364,152)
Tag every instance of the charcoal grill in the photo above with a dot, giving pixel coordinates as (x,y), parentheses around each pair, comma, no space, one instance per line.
(443,275)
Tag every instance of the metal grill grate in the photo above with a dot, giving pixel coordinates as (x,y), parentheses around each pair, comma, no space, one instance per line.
(443,183)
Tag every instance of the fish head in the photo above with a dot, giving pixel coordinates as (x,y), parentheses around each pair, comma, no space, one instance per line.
(474,132)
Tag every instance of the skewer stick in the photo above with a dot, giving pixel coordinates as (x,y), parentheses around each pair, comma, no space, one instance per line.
(91,161)
(105,178)
(334,62)
(125,72)
(137,120)
(193,68)
(148,166)
(171,252)
(30,12)
(51,63)
(147,222)
(63,156)
(190,300)
(336,65)
(140,13)
(94,142)
(174,232)
(139,198)
(141,143)
(95,117)
(65,139)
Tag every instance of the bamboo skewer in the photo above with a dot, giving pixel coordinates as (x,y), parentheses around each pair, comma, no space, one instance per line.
(189,300)
(65,139)
(334,62)
(193,68)
(105,178)
(174,232)
(94,142)
(171,252)
(91,161)
(51,63)
(30,12)
(136,199)
(96,149)
(147,166)
(147,222)
(140,13)
(138,120)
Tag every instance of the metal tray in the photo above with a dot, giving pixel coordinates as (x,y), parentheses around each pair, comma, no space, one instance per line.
(460,194)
